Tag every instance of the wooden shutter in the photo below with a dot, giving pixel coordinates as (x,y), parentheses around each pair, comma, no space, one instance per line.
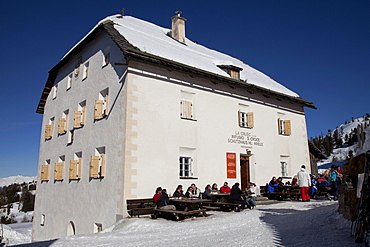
(102,165)
(77,117)
(48,131)
(79,169)
(94,166)
(99,106)
(83,116)
(186,109)
(250,120)
(73,169)
(45,169)
(62,126)
(58,170)
(287,127)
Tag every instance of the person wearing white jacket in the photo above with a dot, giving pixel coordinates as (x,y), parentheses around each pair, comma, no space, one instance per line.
(304,182)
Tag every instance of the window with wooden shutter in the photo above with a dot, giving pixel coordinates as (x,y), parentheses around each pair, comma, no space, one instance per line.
(94,166)
(83,116)
(186,109)
(75,169)
(62,126)
(235,74)
(77,117)
(48,131)
(98,111)
(59,171)
(287,128)
(106,105)
(246,120)
(45,170)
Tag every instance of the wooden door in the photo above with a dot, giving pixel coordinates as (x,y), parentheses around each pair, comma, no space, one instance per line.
(244,172)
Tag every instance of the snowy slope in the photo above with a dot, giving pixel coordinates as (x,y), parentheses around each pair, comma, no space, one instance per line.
(340,154)
(16,179)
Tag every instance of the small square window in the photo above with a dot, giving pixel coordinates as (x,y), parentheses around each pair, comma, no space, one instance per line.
(186,166)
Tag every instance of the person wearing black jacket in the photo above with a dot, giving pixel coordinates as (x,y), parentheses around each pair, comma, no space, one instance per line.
(236,196)
(164,201)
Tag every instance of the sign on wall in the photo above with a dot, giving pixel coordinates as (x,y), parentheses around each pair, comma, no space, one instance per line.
(231,165)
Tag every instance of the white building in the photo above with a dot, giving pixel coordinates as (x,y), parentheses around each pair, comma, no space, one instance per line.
(130,108)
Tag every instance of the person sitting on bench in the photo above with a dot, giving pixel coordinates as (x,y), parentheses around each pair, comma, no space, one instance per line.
(164,201)
(178,192)
(236,196)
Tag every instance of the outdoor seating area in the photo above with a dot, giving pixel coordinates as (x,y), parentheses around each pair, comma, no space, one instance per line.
(193,203)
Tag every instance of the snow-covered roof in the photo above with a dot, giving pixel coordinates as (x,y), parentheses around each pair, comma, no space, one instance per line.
(155,41)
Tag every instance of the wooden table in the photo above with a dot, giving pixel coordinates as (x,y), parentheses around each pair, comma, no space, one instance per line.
(185,207)
(220,202)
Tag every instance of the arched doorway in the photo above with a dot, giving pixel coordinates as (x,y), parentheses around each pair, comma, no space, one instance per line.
(71,230)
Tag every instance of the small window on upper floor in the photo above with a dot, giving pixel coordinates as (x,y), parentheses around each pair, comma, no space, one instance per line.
(102,105)
(106,57)
(49,128)
(59,169)
(69,81)
(98,163)
(284,127)
(45,171)
(233,71)
(85,71)
(62,123)
(55,91)
(187,105)
(79,116)
(75,166)
(246,119)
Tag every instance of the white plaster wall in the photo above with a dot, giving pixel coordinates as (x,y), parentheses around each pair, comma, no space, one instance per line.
(162,133)
(85,201)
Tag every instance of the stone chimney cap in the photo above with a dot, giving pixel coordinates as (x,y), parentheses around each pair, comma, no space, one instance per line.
(178,13)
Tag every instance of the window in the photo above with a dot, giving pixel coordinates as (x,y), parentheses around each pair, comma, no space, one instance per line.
(45,171)
(75,167)
(85,71)
(246,119)
(59,169)
(98,164)
(106,57)
(233,71)
(69,81)
(79,116)
(186,166)
(70,136)
(187,105)
(102,105)
(55,91)
(186,109)
(76,70)
(284,127)
(62,123)
(49,129)
(42,221)
(284,169)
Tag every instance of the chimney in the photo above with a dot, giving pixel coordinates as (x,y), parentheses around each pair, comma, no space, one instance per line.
(178,27)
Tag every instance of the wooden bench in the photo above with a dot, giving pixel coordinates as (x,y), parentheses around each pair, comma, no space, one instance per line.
(178,214)
(137,207)
(225,206)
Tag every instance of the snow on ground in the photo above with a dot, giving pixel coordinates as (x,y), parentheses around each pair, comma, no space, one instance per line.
(289,223)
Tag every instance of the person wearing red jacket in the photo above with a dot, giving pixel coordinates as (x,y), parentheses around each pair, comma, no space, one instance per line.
(157,195)
(225,188)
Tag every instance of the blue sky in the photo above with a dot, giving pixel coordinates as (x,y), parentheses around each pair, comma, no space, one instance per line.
(318,48)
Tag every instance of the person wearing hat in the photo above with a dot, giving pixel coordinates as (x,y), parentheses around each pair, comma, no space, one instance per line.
(304,183)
